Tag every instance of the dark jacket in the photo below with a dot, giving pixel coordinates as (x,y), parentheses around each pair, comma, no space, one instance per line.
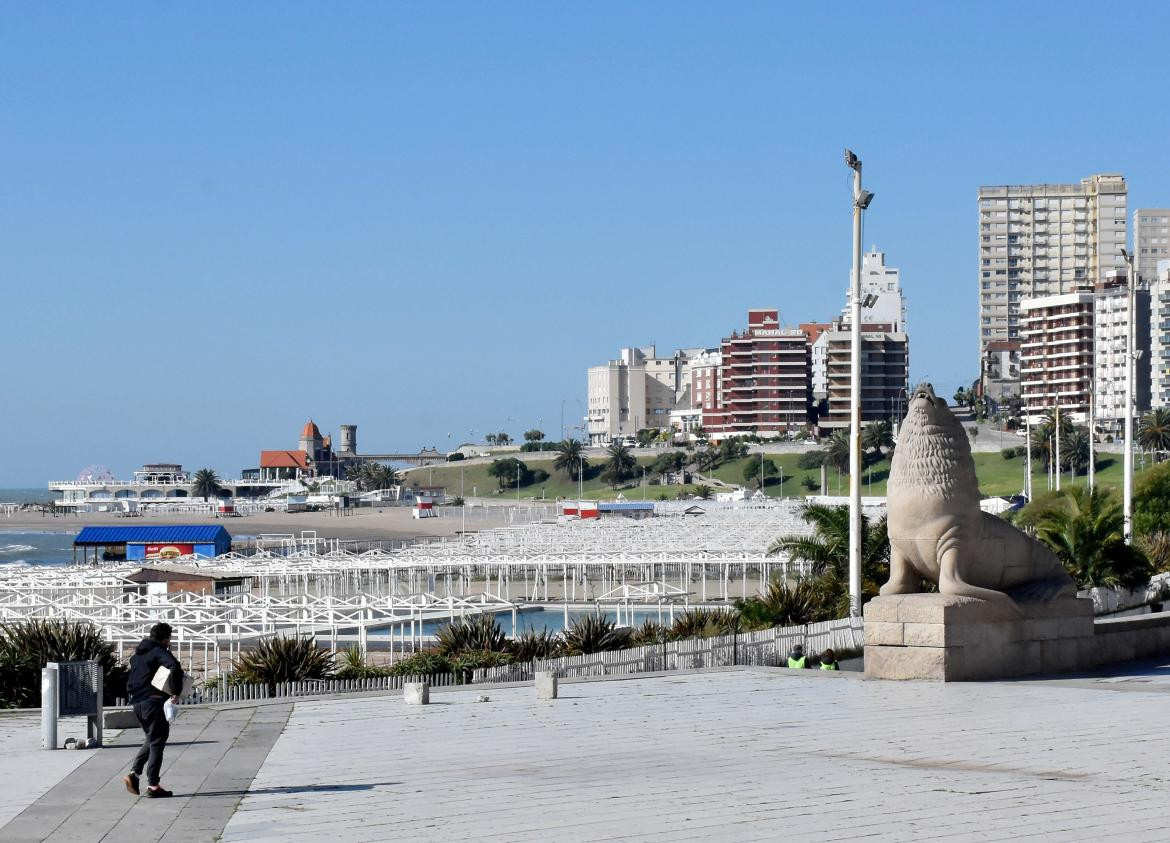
(148,657)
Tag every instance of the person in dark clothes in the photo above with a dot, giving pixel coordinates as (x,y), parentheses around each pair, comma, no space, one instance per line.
(151,654)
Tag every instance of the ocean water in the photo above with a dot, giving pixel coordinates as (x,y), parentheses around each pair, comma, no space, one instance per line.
(35,548)
(40,495)
(536,618)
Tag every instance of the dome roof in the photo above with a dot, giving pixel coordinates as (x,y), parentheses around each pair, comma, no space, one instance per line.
(310,431)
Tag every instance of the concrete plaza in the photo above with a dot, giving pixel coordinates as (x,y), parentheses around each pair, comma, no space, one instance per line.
(742,754)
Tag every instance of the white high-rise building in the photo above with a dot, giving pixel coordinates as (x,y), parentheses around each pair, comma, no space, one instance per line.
(1044,240)
(1160,335)
(638,390)
(1151,240)
(1111,321)
(884,284)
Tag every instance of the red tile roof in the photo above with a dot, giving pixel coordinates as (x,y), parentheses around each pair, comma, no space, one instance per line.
(283,459)
(310,431)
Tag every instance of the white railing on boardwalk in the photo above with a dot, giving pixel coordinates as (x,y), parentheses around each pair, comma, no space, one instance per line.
(768,647)
(313,687)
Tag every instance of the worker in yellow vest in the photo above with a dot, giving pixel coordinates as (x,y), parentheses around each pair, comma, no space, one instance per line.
(796,659)
(829,660)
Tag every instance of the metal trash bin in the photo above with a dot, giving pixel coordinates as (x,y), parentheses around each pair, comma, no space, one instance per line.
(71,689)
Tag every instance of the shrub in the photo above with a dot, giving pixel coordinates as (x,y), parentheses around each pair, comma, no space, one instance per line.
(477,634)
(355,666)
(539,475)
(455,456)
(1151,500)
(281,659)
(810,483)
(810,460)
(465,664)
(26,647)
(594,634)
(426,663)
(535,645)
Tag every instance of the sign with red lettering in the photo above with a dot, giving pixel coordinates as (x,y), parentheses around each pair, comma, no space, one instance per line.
(168,551)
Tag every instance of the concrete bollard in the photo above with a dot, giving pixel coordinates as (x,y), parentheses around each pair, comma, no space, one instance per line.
(546,685)
(49,706)
(417,693)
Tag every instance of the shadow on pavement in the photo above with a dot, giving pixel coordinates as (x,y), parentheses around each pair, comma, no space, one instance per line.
(306,788)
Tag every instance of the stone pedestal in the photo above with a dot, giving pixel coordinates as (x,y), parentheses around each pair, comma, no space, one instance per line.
(416,693)
(546,685)
(932,636)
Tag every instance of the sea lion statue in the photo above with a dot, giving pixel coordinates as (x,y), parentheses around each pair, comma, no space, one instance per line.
(937,530)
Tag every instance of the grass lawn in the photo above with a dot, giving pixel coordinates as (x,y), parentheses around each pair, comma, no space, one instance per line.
(997,476)
(478,483)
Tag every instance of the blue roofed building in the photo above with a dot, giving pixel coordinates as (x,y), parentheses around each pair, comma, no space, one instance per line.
(159,541)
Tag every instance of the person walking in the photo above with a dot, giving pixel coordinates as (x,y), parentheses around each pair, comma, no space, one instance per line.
(796,659)
(829,660)
(151,654)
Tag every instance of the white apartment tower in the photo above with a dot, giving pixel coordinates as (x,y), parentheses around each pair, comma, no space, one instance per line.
(1111,319)
(1056,354)
(1151,240)
(881,287)
(1160,335)
(1044,240)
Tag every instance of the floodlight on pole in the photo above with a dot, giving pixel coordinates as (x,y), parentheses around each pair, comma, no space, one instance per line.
(861,201)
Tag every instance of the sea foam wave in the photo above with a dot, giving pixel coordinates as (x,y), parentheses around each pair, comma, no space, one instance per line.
(16,548)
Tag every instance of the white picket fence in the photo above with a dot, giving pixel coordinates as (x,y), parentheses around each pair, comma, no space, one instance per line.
(766,647)
(312,687)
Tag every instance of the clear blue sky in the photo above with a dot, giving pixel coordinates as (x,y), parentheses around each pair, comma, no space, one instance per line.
(219,220)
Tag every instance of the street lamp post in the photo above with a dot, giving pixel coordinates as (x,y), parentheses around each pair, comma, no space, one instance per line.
(861,200)
(1130,353)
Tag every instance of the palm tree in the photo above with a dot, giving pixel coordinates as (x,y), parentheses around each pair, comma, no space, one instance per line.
(837,451)
(571,458)
(1044,438)
(357,474)
(877,435)
(206,483)
(1154,431)
(827,549)
(703,492)
(374,475)
(620,463)
(1084,529)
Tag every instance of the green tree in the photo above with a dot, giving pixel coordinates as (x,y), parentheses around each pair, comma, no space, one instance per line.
(533,435)
(826,549)
(503,438)
(571,458)
(877,435)
(760,471)
(1044,438)
(646,436)
(1153,432)
(703,492)
(508,471)
(206,483)
(837,451)
(371,476)
(1151,500)
(1084,529)
(619,464)
(490,439)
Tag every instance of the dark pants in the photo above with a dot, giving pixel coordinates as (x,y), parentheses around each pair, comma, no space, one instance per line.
(154,723)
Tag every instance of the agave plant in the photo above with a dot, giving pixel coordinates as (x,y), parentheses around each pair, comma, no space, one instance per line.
(26,647)
(703,623)
(649,633)
(806,601)
(282,659)
(465,664)
(535,645)
(594,634)
(477,634)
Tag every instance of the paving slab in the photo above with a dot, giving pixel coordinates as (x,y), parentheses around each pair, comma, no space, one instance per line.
(721,756)
(26,771)
(209,762)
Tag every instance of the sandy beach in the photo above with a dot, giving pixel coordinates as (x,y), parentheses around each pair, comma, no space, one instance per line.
(385,524)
